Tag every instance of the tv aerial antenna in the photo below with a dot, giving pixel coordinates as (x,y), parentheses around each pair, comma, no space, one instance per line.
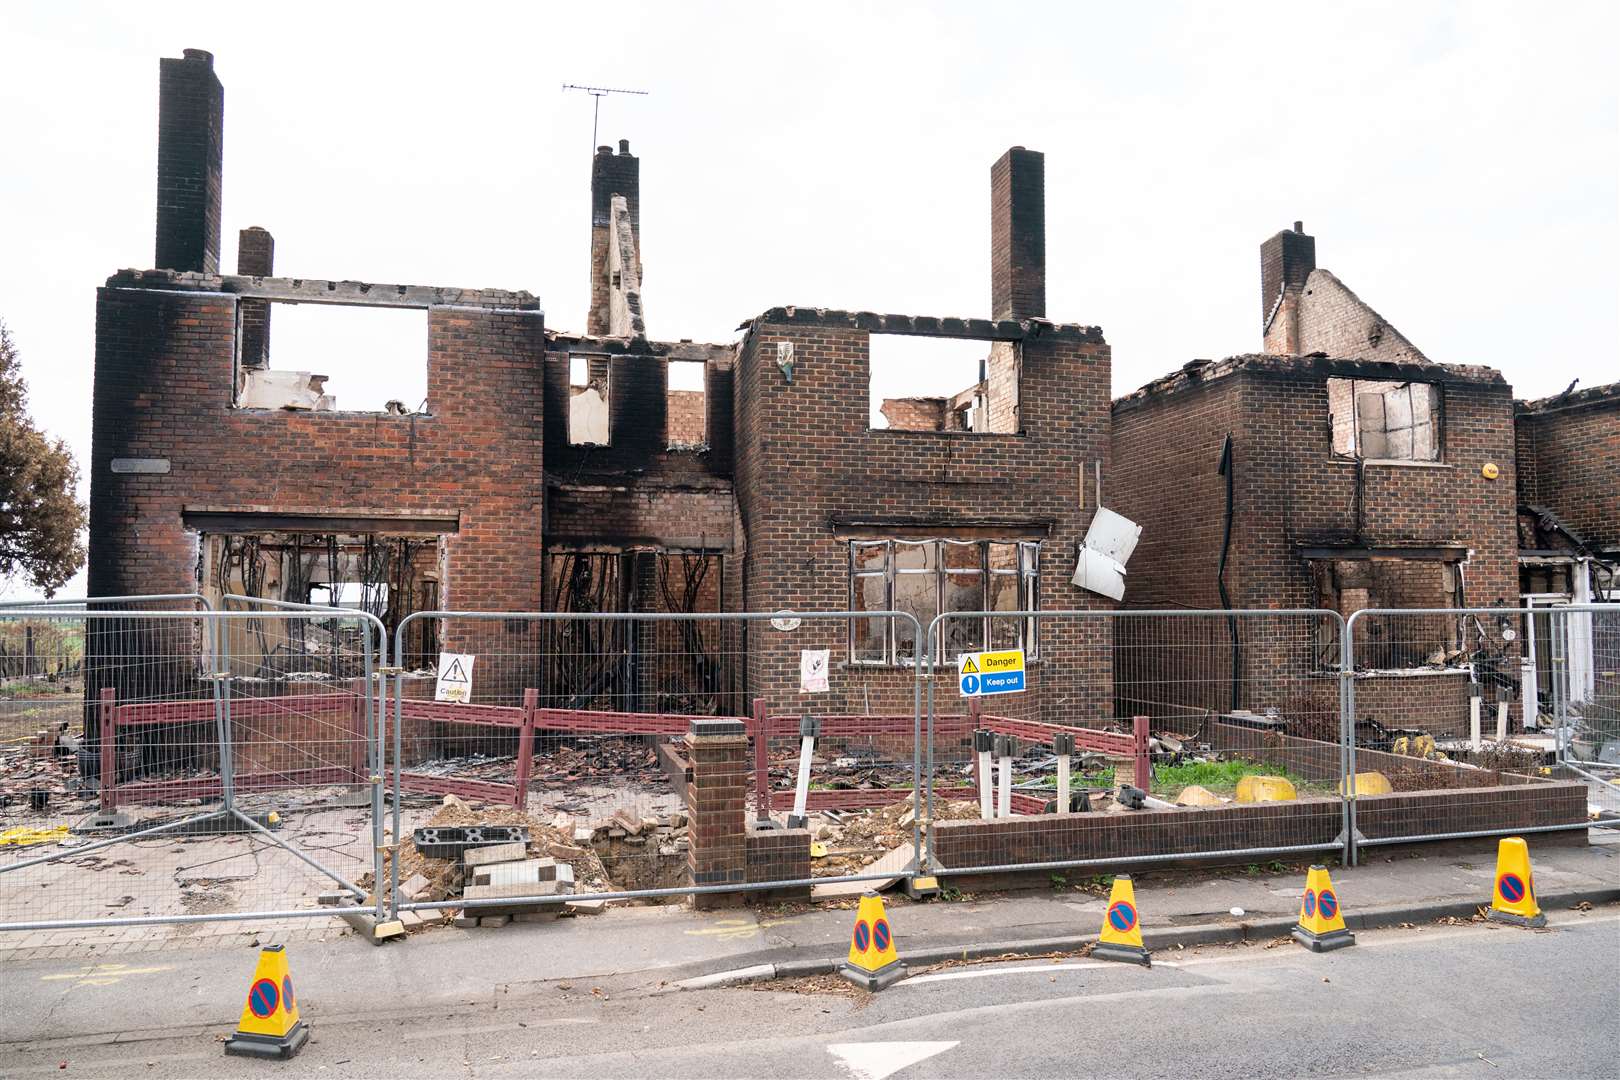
(597,94)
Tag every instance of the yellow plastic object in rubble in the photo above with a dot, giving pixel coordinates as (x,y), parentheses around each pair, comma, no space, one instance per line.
(1417,746)
(1265,789)
(23,835)
(818,850)
(1193,795)
(1368,783)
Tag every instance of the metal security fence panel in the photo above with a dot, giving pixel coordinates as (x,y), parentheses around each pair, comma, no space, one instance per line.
(1473,735)
(643,755)
(1132,737)
(157,769)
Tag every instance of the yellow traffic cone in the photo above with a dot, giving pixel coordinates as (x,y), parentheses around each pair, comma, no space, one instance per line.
(1121,937)
(1321,924)
(873,963)
(1514,898)
(270,1026)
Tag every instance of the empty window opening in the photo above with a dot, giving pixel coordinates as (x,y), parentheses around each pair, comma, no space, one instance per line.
(329,358)
(386,576)
(588,400)
(1385,421)
(679,666)
(943,384)
(927,577)
(1393,642)
(686,405)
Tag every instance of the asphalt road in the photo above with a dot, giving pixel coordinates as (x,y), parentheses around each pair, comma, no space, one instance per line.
(1467,1000)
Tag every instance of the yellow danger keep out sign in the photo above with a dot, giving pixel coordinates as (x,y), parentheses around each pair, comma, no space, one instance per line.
(991,672)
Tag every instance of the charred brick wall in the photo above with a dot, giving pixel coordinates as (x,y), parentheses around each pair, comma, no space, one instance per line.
(191,149)
(1290,493)
(163,390)
(1570,461)
(807,461)
(637,491)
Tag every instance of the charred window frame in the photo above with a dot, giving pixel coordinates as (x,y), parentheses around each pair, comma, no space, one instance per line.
(1392,642)
(1386,421)
(927,577)
(590,400)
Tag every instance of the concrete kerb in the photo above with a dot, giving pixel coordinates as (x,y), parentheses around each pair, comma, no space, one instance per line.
(1215,933)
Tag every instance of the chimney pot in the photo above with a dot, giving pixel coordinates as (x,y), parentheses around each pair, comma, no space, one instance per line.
(604,149)
(624,146)
(1299,226)
(202,55)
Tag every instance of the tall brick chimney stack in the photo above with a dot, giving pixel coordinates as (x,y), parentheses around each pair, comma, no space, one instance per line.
(255,257)
(611,174)
(1018,235)
(191,142)
(1286,260)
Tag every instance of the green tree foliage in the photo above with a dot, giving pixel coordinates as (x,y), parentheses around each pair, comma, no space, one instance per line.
(41,518)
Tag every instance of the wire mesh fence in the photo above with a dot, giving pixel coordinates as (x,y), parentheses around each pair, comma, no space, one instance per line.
(577,729)
(1140,737)
(158,769)
(1474,741)
(164,762)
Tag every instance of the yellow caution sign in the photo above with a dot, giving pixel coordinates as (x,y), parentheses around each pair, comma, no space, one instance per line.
(270,1025)
(1513,900)
(1321,924)
(1121,937)
(968,666)
(873,963)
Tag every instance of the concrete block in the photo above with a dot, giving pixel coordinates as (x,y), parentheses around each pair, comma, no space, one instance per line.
(515,890)
(514,873)
(466,922)
(494,920)
(497,853)
(415,888)
(586,907)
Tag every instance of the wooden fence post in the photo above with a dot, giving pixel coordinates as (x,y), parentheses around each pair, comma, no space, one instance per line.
(525,753)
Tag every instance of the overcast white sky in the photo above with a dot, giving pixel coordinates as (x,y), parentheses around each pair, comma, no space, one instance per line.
(1458,164)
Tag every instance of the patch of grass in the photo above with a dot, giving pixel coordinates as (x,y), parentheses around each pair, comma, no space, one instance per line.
(1220,777)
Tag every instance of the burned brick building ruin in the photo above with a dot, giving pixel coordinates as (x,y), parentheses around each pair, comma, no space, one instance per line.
(608,471)
(605,471)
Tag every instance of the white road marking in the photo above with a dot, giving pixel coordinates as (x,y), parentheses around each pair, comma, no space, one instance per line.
(876,1060)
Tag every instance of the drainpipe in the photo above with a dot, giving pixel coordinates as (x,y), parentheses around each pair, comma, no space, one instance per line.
(1227,470)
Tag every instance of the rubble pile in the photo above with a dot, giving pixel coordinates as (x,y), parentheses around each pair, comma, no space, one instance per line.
(40,775)
(620,760)
(856,839)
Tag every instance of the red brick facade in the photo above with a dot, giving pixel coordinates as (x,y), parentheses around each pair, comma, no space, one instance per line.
(811,474)
(1294,501)
(165,355)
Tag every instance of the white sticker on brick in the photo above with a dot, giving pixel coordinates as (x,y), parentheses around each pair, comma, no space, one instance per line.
(813,664)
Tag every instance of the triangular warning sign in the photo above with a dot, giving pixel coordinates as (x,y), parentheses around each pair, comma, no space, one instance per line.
(968,666)
(454,673)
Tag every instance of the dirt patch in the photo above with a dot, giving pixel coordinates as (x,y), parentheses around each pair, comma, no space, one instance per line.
(863,837)
(823,985)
